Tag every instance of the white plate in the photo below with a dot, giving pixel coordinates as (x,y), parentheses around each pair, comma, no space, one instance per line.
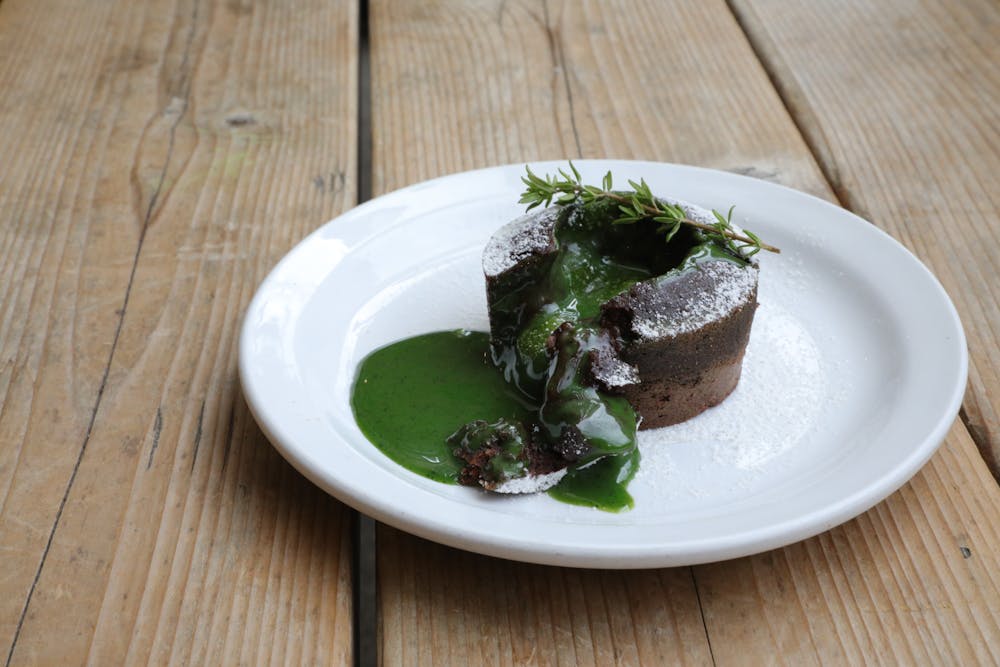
(855,372)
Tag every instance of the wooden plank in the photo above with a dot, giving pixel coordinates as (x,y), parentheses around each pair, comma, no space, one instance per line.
(168,153)
(66,251)
(511,82)
(903,112)
(442,606)
(556,80)
(915,580)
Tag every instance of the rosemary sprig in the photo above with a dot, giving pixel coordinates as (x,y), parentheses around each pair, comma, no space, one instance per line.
(639,204)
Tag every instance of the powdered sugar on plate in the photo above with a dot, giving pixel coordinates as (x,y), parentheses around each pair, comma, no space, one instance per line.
(782,391)
(779,395)
(532,483)
(519,239)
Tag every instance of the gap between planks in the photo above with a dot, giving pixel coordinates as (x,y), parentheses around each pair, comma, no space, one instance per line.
(798,112)
(364,574)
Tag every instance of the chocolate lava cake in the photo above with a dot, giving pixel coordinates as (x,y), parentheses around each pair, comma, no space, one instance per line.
(678,337)
(607,326)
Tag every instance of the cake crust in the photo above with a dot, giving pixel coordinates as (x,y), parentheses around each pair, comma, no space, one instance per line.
(682,374)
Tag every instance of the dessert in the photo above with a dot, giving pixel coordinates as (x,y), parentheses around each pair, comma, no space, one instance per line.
(614,328)
(609,311)
(679,337)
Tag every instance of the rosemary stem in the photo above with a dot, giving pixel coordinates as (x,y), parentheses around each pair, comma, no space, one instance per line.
(693,223)
(639,205)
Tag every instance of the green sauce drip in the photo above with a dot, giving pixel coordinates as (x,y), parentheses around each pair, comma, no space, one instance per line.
(602,484)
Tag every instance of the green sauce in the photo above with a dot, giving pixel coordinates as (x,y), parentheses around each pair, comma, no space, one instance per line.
(420,399)
(410,396)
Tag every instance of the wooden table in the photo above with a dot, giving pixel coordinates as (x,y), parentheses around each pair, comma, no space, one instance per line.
(157,158)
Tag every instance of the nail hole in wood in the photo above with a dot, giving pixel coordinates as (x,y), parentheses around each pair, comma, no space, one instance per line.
(240,121)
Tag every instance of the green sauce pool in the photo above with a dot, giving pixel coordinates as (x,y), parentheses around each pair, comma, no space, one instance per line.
(409,396)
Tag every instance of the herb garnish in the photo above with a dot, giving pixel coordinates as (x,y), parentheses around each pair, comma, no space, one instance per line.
(640,204)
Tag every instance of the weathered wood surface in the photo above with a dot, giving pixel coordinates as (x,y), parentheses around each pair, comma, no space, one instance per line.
(156,159)
(911,581)
(903,113)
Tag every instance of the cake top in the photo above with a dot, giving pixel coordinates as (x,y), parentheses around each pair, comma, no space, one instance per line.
(519,239)
(706,294)
(709,293)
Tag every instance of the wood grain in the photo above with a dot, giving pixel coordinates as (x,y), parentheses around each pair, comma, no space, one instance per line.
(57,308)
(903,111)
(438,71)
(500,82)
(912,580)
(442,606)
(167,154)
(915,580)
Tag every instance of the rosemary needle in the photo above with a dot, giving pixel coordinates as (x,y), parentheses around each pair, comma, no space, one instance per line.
(635,205)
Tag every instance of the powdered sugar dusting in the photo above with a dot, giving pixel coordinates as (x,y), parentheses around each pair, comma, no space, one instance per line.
(780,395)
(519,239)
(531,483)
(615,372)
(696,213)
(733,286)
